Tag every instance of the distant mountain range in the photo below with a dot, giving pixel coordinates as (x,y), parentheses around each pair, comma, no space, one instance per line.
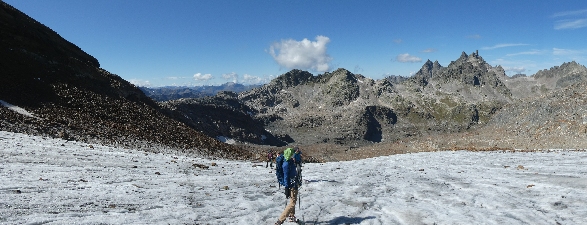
(176,92)
(336,115)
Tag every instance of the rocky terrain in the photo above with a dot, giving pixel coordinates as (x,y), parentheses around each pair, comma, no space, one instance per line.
(468,104)
(71,97)
(337,115)
(222,115)
(349,109)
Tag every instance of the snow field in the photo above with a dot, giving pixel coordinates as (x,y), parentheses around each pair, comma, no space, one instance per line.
(53,181)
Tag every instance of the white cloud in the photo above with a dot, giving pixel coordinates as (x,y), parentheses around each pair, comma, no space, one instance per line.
(532,52)
(250,79)
(202,77)
(398,41)
(502,46)
(429,50)
(570,24)
(231,76)
(407,58)
(176,78)
(474,36)
(563,52)
(304,54)
(572,19)
(570,13)
(514,69)
(140,83)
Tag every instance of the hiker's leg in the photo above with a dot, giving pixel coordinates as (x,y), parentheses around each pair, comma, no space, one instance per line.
(294,199)
(291,206)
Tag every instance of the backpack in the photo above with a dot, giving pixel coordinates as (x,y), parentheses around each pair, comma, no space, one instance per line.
(279,169)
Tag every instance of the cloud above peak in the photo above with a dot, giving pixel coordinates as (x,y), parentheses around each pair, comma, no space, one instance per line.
(304,54)
(502,46)
(514,69)
(233,77)
(429,50)
(407,58)
(202,77)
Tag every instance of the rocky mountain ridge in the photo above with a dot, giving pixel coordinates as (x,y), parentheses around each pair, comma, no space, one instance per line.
(71,97)
(341,110)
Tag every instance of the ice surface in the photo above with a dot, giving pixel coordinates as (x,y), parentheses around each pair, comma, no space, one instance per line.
(53,181)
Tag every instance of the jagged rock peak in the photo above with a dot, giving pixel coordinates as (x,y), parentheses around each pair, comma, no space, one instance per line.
(436,65)
(428,70)
(340,74)
(566,68)
(292,78)
(474,58)
(428,64)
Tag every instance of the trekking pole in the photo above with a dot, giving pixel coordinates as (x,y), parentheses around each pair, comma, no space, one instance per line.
(299,195)
(299,199)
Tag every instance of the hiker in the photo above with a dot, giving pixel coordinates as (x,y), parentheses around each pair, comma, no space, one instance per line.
(298,159)
(288,169)
(269,159)
(279,168)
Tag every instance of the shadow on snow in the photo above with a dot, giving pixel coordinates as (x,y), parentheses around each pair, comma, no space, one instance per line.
(341,220)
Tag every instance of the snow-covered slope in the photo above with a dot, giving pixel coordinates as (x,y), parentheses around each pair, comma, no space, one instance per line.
(52,181)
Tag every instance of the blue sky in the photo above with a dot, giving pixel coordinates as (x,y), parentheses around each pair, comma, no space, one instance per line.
(189,42)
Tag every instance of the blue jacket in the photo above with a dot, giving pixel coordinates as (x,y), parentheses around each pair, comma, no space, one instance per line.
(289,174)
(279,169)
(298,157)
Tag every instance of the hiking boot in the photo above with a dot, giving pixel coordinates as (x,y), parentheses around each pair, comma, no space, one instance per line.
(292,219)
(278,222)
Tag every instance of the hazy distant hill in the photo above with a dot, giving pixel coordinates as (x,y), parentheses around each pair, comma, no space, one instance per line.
(176,92)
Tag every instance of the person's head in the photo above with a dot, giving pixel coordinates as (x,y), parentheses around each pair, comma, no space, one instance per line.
(288,153)
(297,150)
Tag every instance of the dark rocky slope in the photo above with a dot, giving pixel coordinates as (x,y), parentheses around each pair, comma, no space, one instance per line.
(71,97)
